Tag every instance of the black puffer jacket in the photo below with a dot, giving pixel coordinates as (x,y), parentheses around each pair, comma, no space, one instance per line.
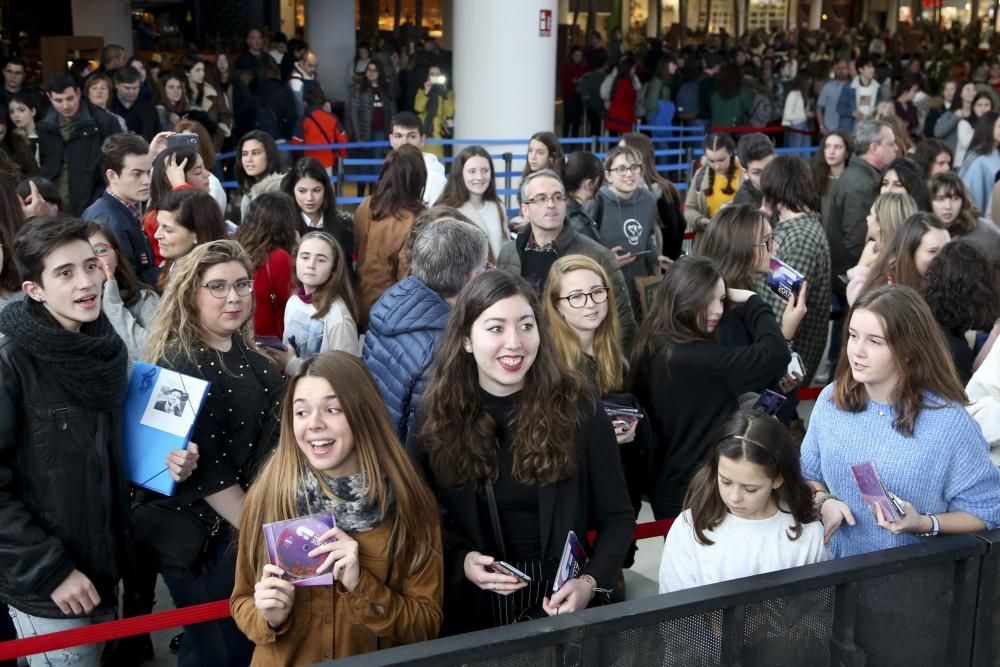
(81,154)
(63,489)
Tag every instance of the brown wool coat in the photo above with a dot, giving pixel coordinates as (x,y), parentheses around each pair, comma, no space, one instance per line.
(330,622)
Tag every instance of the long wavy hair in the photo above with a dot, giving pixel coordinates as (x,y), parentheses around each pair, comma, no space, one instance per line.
(455,193)
(394,484)
(400,184)
(918,348)
(951,184)
(271,222)
(898,257)
(677,316)
(820,169)
(460,436)
(891,209)
(962,287)
(177,325)
(607,338)
(337,286)
(556,155)
(731,242)
(764,441)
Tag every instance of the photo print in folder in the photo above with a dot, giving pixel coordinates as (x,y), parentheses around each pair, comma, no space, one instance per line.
(160,411)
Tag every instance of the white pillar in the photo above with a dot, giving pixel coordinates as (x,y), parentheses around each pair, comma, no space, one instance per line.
(104,18)
(330,33)
(815,15)
(505,77)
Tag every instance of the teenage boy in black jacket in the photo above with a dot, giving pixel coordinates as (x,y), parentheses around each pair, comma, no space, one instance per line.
(64,502)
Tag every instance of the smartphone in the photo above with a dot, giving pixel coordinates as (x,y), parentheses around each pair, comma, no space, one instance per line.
(183,140)
(272,342)
(503,567)
(795,366)
(769,402)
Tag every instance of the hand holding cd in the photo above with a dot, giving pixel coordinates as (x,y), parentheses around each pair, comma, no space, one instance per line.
(294,545)
(342,555)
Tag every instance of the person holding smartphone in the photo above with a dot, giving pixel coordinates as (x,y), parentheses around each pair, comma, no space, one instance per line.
(518,453)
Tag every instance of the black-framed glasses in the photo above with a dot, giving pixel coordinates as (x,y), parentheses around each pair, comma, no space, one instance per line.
(768,242)
(557,198)
(220,288)
(623,170)
(579,299)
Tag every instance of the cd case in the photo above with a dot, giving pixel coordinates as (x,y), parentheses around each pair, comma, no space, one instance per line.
(574,559)
(874,491)
(783,280)
(289,543)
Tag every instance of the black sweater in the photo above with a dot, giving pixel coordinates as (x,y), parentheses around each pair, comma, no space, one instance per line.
(687,397)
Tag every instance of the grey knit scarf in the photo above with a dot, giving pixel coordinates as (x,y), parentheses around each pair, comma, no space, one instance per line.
(350,507)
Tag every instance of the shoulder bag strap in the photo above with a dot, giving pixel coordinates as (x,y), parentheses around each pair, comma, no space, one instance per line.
(495,519)
(274,297)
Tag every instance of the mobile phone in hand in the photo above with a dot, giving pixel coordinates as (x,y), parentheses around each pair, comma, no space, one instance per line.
(503,567)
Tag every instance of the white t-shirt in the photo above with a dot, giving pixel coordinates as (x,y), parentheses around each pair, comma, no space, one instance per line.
(490,220)
(867,96)
(741,548)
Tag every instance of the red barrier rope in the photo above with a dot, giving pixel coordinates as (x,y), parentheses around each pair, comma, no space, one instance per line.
(770,129)
(199,613)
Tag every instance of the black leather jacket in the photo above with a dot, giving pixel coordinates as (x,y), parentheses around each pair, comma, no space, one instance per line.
(63,489)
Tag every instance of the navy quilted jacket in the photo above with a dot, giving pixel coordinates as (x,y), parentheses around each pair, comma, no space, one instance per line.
(403,328)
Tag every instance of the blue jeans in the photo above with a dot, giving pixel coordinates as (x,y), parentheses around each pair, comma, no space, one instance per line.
(88,655)
(216,643)
(797,139)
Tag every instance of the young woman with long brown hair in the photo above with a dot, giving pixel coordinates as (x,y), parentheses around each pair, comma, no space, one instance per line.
(383,221)
(338,453)
(686,379)
(472,189)
(898,403)
(519,453)
(905,259)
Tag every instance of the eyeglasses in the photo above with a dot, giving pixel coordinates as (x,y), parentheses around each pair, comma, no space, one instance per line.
(623,170)
(579,299)
(544,200)
(768,242)
(102,249)
(220,288)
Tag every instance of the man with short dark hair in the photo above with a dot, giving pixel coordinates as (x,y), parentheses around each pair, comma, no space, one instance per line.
(254,58)
(755,151)
(547,237)
(126,162)
(407,128)
(14,74)
(64,493)
(69,144)
(140,115)
(407,320)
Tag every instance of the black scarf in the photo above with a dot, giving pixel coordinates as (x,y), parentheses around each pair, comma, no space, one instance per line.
(91,365)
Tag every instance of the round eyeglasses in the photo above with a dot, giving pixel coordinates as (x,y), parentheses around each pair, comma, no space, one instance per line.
(579,299)
(220,289)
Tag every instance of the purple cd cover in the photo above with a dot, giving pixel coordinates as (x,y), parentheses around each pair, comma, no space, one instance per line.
(289,543)
(874,492)
(574,558)
(783,280)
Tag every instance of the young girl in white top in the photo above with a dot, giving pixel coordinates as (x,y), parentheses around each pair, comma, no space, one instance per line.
(748,510)
(472,189)
(320,316)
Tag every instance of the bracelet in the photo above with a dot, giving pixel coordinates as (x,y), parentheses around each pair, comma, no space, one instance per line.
(935,526)
(821,497)
(593,582)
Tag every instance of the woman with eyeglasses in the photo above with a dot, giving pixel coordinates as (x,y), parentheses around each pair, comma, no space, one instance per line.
(203,329)
(687,378)
(625,213)
(129,304)
(269,234)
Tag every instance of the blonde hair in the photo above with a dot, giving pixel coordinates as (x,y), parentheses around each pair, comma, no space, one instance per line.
(393,483)
(607,340)
(891,209)
(177,326)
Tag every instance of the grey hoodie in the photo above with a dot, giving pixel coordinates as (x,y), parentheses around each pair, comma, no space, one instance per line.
(631,224)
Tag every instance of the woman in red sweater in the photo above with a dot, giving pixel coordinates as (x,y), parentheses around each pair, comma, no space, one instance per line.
(621,112)
(268,234)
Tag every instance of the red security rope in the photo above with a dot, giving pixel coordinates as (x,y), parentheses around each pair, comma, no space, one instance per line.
(163,620)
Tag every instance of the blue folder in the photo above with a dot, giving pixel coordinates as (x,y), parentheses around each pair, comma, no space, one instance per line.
(146,445)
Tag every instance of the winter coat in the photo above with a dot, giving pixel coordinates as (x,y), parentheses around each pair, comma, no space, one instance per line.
(134,243)
(378,244)
(359,115)
(404,327)
(78,159)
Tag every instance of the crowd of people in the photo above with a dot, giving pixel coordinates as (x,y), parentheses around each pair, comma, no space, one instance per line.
(461,391)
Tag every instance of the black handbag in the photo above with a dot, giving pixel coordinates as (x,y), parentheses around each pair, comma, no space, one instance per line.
(176,539)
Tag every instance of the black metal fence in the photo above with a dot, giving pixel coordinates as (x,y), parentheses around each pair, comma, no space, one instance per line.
(935,604)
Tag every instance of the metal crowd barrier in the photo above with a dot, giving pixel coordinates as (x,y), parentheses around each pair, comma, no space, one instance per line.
(931,604)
